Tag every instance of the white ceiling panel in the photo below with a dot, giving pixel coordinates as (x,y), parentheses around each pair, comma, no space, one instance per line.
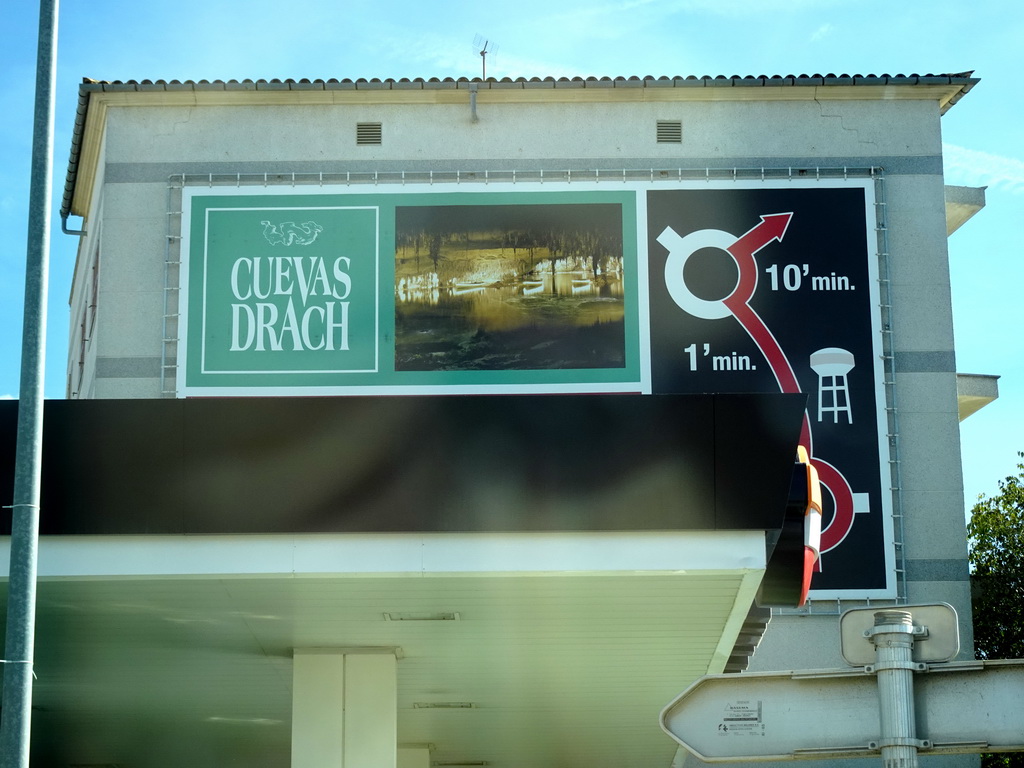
(567,671)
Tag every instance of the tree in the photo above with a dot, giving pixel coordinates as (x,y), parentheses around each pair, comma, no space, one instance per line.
(996,538)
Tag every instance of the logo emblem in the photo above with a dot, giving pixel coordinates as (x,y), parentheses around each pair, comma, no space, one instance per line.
(289,233)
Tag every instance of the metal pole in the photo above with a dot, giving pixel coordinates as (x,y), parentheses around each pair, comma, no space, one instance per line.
(893,636)
(21,607)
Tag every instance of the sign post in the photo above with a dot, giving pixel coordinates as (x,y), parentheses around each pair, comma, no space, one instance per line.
(893,637)
(962,707)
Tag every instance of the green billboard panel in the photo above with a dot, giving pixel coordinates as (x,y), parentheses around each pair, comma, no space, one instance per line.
(287,290)
(409,292)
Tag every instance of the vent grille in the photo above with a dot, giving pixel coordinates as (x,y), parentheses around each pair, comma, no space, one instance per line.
(368,133)
(422,616)
(670,132)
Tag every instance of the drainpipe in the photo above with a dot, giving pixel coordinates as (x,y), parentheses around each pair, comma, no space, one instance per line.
(64,227)
(472,103)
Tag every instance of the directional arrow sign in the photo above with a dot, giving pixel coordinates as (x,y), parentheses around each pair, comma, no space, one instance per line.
(961,707)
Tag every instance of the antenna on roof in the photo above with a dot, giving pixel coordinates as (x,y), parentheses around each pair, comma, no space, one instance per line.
(483,47)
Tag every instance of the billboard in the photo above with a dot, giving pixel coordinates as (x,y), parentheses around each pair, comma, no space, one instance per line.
(707,287)
(410,293)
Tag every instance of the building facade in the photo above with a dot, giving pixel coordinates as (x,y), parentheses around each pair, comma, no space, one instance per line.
(646,240)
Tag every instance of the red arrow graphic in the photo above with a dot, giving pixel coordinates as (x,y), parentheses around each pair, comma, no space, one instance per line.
(773,226)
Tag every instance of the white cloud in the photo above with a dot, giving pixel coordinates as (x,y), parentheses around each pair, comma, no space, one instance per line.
(747,8)
(971,167)
(8,397)
(822,32)
(449,55)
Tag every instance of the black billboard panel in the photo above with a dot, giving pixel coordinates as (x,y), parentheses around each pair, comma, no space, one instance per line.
(775,289)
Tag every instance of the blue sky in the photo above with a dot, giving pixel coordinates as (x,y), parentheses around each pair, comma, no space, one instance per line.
(197,39)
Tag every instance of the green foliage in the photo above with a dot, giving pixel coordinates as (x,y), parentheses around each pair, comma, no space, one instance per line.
(996,536)
(1003,760)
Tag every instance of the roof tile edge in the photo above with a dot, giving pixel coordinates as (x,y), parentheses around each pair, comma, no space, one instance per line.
(965,80)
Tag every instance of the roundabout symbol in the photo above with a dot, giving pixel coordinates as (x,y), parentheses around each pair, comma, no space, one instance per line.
(736,304)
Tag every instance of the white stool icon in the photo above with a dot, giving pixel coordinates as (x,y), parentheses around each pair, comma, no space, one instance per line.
(832,364)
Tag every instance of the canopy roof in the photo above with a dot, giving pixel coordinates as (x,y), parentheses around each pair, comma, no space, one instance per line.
(550,570)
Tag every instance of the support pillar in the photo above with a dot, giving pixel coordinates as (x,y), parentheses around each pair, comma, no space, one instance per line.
(344,708)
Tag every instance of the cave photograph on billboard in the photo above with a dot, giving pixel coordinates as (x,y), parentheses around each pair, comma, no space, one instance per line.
(509,287)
